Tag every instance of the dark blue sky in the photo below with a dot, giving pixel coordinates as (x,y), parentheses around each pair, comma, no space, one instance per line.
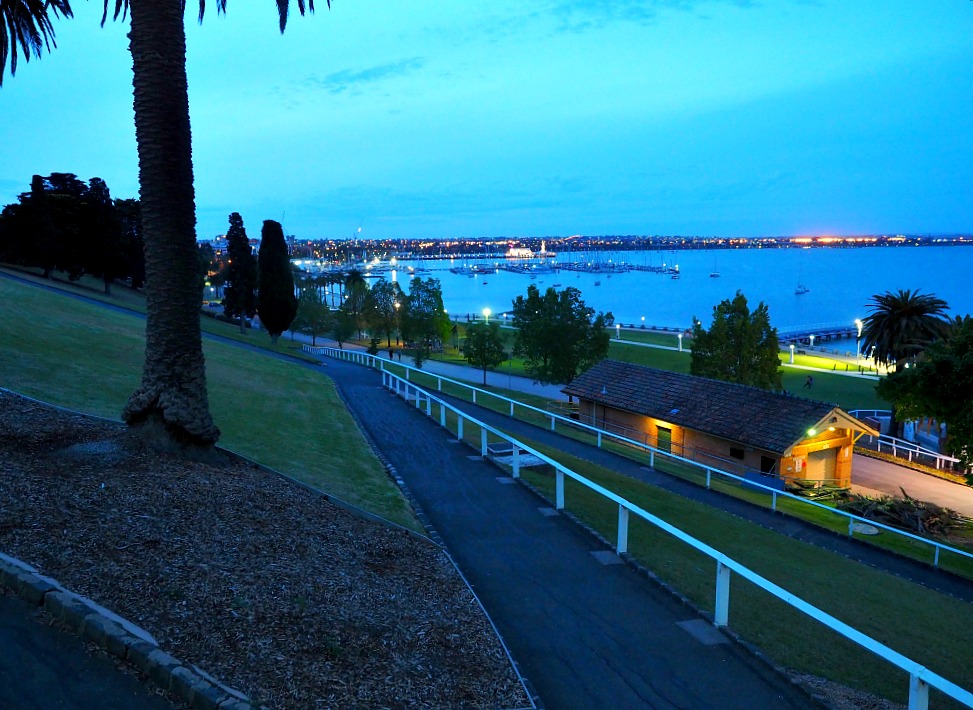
(427,118)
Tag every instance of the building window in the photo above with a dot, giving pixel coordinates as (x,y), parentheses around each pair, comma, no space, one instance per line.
(736,453)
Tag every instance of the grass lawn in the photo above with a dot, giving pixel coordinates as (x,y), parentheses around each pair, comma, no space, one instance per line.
(285,416)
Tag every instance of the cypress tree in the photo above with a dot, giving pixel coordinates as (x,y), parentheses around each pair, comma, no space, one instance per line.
(241,273)
(276,302)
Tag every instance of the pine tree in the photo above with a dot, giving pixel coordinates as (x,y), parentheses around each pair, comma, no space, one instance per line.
(239,300)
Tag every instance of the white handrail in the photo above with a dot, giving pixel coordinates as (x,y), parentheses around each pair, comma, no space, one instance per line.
(374,361)
(920,677)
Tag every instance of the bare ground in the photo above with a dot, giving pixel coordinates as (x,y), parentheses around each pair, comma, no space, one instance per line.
(271,589)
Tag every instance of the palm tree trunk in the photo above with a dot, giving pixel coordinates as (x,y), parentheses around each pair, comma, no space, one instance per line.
(170,404)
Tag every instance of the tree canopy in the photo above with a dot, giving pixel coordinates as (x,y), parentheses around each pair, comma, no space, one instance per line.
(313,315)
(276,302)
(740,346)
(939,385)
(63,224)
(484,346)
(382,306)
(558,335)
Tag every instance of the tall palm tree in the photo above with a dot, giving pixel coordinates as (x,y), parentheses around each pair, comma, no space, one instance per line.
(170,405)
(25,25)
(901,324)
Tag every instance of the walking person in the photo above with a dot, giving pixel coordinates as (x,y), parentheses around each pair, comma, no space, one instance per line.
(809,383)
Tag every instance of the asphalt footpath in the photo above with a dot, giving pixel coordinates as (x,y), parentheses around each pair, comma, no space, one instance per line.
(42,668)
(586,630)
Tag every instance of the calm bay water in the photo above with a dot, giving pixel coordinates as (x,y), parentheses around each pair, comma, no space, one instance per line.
(841,282)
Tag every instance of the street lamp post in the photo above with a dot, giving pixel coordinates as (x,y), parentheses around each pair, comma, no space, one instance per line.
(680,341)
(618,332)
(643,321)
(858,342)
(812,340)
(792,353)
(486,314)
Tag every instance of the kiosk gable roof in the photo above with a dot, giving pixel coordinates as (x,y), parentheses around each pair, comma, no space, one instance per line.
(749,415)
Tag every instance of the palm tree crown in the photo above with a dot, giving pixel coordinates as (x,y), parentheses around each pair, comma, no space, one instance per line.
(901,324)
(26,24)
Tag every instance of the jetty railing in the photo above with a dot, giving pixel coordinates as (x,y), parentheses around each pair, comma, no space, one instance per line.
(707,472)
(920,677)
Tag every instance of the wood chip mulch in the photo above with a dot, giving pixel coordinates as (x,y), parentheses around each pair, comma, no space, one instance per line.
(267,587)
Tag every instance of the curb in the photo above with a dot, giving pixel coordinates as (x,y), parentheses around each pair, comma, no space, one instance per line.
(119,638)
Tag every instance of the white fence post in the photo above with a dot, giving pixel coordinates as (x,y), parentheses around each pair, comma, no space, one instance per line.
(511,408)
(483,442)
(651,459)
(474,396)
(721,613)
(709,473)
(407,374)
(459,426)
(918,693)
(439,384)
(428,406)
(552,422)
(599,439)
(559,490)
(622,545)
(515,462)
(773,501)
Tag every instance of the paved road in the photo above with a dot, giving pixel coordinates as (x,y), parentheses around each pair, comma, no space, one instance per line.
(872,476)
(587,632)
(42,668)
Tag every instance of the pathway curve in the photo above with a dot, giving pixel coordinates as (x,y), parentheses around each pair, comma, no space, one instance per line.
(587,631)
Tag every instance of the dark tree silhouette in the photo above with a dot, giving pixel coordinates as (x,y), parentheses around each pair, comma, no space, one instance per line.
(240,277)
(276,302)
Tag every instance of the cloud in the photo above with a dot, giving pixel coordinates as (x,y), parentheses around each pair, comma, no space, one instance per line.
(351,79)
(582,15)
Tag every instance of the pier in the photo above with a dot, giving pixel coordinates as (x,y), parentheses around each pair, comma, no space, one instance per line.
(821,332)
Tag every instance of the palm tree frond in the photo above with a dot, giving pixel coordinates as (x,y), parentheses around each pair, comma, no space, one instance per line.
(25,26)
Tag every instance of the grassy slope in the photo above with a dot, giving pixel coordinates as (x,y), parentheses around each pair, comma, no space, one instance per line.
(87,358)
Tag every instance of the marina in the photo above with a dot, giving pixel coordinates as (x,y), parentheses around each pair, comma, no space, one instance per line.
(834,285)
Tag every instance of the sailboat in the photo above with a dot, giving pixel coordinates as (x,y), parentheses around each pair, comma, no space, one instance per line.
(801,288)
(715,273)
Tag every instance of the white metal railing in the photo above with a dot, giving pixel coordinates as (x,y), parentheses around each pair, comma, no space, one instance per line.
(920,677)
(912,450)
(709,471)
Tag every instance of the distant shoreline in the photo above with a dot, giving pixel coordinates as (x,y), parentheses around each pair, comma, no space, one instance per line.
(497,248)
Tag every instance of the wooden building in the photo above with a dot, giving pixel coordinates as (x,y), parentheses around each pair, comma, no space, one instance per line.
(741,429)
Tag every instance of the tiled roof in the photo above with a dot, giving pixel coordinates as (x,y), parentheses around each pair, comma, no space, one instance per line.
(749,415)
